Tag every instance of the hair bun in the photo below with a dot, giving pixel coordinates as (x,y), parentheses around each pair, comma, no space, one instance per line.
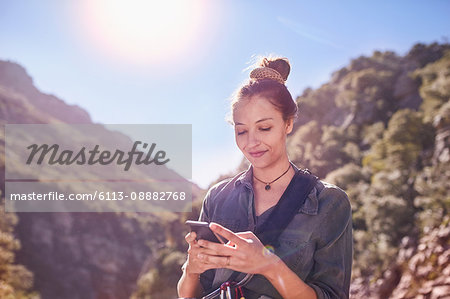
(261,73)
(280,64)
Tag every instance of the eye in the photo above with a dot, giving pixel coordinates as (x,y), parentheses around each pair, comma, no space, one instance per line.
(240,133)
(266,129)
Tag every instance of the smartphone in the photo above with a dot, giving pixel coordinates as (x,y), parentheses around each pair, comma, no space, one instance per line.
(204,232)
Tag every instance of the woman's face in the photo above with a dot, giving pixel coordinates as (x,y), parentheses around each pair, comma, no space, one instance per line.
(260,131)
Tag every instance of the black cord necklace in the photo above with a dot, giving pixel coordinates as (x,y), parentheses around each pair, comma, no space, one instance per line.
(268,184)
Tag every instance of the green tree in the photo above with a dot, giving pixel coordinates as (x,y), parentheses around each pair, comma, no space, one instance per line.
(15,280)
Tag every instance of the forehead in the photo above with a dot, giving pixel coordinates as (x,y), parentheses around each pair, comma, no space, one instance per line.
(254,109)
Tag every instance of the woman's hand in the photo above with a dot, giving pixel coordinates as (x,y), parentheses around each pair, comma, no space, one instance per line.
(244,252)
(195,265)
(189,283)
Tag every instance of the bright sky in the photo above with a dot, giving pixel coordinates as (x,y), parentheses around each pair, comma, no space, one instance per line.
(162,62)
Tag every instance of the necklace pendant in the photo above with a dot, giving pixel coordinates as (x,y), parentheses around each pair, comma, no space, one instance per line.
(267,187)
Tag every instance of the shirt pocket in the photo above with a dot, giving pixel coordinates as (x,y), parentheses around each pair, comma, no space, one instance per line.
(297,251)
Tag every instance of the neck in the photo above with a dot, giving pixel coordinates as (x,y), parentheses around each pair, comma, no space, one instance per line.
(270,173)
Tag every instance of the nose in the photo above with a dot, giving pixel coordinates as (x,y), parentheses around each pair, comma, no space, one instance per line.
(253,139)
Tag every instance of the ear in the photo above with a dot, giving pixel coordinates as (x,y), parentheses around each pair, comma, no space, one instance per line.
(289,125)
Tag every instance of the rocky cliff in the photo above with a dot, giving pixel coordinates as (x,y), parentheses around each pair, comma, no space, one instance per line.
(69,255)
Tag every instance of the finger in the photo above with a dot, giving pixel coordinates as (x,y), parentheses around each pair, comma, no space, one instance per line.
(220,261)
(193,248)
(219,237)
(209,251)
(217,248)
(248,236)
(190,237)
(226,233)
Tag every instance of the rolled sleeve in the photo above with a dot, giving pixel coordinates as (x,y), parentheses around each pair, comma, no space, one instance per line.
(330,277)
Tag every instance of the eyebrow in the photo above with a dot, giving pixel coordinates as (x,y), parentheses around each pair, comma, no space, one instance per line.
(263,119)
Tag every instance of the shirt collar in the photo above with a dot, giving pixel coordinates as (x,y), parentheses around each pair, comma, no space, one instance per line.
(245,177)
(311,204)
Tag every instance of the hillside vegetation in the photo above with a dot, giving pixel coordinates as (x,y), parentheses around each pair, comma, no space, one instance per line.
(380,129)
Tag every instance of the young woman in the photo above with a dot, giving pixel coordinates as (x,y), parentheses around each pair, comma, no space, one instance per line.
(313,257)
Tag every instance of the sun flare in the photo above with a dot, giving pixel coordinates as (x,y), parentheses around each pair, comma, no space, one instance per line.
(143,31)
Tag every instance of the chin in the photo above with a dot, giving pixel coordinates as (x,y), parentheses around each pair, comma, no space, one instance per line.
(259,163)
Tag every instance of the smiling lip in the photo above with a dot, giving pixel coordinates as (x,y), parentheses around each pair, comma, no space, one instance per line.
(257,154)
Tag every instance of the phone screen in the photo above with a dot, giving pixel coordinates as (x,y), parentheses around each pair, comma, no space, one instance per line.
(203,231)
